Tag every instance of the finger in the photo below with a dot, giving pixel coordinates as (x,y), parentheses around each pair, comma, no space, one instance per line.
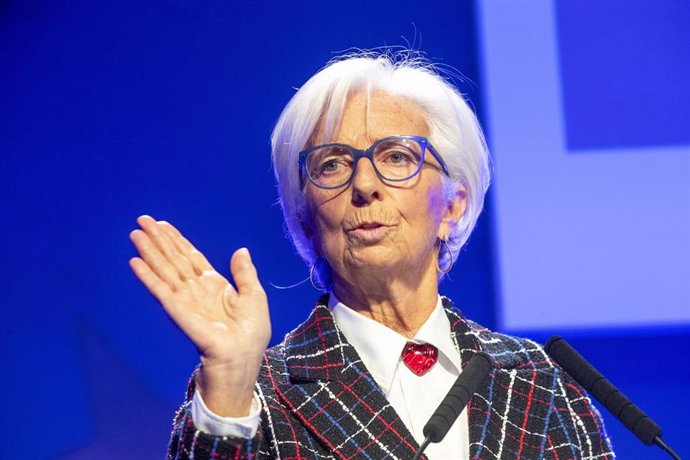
(155,260)
(189,324)
(178,258)
(163,242)
(244,272)
(153,283)
(197,258)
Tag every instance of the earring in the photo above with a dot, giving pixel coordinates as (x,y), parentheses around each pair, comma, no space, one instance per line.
(442,244)
(312,275)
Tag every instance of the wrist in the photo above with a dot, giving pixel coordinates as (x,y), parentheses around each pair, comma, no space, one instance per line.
(226,393)
(209,422)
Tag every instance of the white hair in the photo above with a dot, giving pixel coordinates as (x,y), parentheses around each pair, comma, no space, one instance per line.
(453,130)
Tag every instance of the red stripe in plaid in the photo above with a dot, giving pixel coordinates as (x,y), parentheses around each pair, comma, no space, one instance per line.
(319,402)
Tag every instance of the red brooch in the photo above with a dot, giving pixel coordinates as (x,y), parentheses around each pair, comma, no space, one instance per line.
(419,357)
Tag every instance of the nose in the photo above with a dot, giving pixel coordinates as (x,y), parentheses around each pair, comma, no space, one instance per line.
(366,184)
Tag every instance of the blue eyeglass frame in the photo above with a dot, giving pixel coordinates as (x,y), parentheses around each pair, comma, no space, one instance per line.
(369,154)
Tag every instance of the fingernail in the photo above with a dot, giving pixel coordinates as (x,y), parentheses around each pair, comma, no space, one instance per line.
(245,253)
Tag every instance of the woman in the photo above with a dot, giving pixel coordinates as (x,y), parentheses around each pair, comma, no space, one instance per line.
(382,170)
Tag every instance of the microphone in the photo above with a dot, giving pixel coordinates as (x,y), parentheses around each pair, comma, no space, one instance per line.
(473,374)
(608,395)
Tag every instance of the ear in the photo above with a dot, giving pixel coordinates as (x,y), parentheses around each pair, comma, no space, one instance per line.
(453,213)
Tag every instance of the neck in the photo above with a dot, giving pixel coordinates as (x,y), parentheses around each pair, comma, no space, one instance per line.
(401,303)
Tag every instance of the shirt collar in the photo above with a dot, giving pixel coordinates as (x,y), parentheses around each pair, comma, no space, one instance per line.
(380,348)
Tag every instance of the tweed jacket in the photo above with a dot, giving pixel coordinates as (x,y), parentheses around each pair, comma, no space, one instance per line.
(320,402)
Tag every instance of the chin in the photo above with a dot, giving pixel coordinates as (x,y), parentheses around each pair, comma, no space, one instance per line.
(373,259)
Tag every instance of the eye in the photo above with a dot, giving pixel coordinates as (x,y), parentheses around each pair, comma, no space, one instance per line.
(330,162)
(331,165)
(398,156)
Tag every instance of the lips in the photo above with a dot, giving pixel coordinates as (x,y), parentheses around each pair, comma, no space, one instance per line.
(364,226)
(371,225)
(368,232)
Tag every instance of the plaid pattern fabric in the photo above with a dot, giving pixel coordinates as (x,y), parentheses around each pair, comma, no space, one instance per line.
(320,402)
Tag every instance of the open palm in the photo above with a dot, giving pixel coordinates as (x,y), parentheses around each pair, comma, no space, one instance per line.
(229,326)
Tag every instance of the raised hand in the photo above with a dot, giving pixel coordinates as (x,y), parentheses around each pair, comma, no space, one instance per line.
(229,326)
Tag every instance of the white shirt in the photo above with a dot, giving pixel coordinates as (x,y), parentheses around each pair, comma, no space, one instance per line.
(413,397)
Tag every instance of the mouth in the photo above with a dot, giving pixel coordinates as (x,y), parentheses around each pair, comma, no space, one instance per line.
(370,232)
(365,226)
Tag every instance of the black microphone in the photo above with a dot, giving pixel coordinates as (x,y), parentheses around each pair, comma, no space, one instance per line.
(473,374)
(603,391)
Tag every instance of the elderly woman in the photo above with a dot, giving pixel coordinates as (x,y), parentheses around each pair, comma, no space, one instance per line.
(382,170)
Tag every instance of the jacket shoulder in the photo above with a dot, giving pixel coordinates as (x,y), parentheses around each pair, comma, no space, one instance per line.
(509,351)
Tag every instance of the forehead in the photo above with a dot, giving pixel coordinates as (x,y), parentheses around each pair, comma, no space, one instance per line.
(368,117)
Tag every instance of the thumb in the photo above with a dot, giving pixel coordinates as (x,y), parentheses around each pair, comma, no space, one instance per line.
(244,272)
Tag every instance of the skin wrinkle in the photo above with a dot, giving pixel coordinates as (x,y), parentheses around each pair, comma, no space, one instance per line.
(392,280)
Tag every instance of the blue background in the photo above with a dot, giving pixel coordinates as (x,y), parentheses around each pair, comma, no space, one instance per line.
(625,72)
(109,110)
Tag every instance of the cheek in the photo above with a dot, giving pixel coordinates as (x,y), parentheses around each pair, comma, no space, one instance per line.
(437,205)
(416,239)
(329,217)
(327,221)
(427,214)
(321,209)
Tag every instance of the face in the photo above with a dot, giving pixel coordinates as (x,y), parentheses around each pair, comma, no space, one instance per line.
(373,227)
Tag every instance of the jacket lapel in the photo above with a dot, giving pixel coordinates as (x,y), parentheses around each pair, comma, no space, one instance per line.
(467,343)
(470,338)
(336,398)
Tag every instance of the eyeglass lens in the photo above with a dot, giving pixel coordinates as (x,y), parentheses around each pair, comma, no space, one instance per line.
(332,166)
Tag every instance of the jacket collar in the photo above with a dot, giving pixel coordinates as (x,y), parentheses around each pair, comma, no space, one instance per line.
(318,350)
(336,398)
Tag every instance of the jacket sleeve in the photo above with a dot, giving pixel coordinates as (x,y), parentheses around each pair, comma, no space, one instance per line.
(187,441)
(589,425)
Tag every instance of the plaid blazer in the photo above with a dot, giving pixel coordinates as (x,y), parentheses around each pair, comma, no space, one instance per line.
(320,402)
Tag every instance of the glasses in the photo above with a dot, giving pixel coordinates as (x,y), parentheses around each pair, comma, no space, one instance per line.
(395,159)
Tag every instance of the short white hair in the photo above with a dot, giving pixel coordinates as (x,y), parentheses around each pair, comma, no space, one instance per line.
(453,130)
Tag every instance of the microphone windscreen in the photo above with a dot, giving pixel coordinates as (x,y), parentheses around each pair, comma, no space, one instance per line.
(473,374)
(602,390)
